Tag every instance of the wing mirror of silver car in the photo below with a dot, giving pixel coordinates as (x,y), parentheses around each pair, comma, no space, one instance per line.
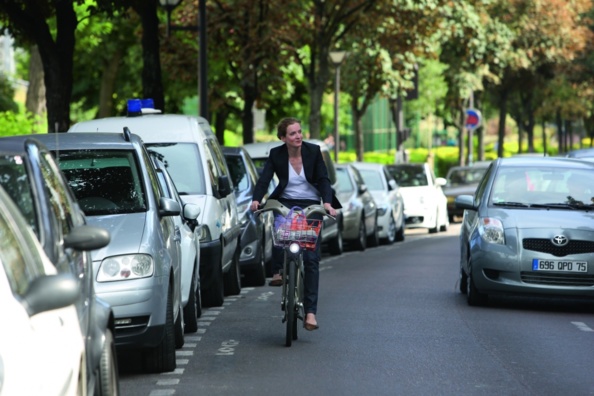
(87,238)
(49,292)
(169,207)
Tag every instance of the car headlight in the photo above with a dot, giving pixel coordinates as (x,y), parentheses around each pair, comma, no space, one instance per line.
(132,266)
(491,230)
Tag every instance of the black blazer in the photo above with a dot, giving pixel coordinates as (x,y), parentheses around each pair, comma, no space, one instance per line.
(313,165)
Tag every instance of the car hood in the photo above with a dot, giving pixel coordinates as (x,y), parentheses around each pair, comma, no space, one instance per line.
(533,218)
(380,197)
(126,231)
(466,189)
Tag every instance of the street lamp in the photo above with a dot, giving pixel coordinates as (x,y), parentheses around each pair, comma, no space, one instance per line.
(169,5)
(336,57)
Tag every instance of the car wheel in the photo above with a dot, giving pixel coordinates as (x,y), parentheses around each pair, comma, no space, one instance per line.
(213,294)
(361,242)
(374,239)
(435,229)
(257,275)
(444,227)
(162,358)
(108,380)
(336,244)
(179,328)
(473,295)
(232,278)
(391,232)
(463,283)
(191,310)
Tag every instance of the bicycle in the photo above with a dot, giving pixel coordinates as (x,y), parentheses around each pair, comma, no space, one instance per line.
(294,231)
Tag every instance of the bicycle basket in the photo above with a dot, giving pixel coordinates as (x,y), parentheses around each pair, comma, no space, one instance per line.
(295,227)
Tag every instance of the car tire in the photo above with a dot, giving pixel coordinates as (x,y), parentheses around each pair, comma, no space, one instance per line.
(463,282)
(336,245)
(191,309)
(391,232)
(108,377)
(257,276)
(179,328)
(474,297)
(162,358)
(435,229)
(361,241)
(444,227)
(373,240)
(214,294)
(232,279)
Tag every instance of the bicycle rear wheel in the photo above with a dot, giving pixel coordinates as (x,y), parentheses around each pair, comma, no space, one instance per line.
(290,306)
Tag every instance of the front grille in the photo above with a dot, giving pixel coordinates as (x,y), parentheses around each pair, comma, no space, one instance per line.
(553,279)
(546,246)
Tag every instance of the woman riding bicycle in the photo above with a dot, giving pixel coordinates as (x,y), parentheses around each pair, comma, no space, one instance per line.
(303,181)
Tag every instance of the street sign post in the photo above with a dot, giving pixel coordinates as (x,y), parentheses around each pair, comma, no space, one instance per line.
(472,121)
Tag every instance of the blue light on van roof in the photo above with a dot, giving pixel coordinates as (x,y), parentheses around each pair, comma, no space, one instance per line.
(147,103)
(134,107)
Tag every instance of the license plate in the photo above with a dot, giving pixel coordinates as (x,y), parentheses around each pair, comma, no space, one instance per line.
(559,265)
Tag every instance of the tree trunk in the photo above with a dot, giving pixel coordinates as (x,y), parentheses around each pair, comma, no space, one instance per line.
(461,159)
(544,137)
(107,88)
(247,114)
(152,84)
(502,118)
(35,102)
(220,124)
(357,118)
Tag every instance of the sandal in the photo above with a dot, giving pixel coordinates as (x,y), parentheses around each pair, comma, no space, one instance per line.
(277,280)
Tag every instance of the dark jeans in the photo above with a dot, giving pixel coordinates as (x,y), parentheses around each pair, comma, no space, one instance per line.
(311,261)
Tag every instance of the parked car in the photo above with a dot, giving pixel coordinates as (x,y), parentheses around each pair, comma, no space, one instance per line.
(462,180)
(185,225)
(359,209)
(139,272)
(42,351)
(197,166)
(331,233)
(581,153)
(389,201)
(256,231)
(528,230)
(425,204)
(32,178)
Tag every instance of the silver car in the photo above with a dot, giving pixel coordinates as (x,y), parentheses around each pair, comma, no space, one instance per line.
(387,196)
(359,208)
(529,229)
(139,272)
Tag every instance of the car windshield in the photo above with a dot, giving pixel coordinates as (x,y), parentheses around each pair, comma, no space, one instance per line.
(13,177)
(373,179)
(465,176)
(543,187)
(409,176)
(104,181)
(344,181)
(178,158)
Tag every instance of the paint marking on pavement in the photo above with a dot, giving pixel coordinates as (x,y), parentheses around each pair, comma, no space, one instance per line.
(184,353)
(177,371)
(182,362)
(168,382)
(582,326)
(162,392)
(192,338)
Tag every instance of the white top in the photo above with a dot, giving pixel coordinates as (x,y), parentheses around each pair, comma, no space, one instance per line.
(298,187)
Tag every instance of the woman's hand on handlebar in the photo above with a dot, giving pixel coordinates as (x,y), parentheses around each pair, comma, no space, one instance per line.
(331,211)
(255,206)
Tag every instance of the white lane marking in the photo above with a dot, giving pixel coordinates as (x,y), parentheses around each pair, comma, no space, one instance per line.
(192,338)
(201,331)
(209,313)
(204,323)
(166,382)
(265,296)
(582,326)
(182,362)
(184,353)
(162,392)
(326,267)
(189,345)
(179,371)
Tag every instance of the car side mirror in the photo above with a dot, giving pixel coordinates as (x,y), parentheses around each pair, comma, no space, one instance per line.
(362,189)
(49,292)
(224,186)
(169,207)
(87,238)
(191,211)
(392,184)
(440,181)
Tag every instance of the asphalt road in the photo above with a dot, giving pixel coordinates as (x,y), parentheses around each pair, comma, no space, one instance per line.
(391,323)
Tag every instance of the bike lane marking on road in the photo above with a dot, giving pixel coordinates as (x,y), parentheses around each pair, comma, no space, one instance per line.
(582,326)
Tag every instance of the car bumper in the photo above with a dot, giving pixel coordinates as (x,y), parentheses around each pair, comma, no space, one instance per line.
(383,224)
(250,244)
(351,223)
(210,258)
(139,307)
(420,217)
(500,269)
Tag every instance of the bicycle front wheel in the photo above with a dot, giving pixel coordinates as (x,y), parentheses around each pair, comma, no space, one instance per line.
(290,306)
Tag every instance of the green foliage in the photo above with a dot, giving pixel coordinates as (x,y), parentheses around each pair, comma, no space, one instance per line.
(21,123)
(6,95)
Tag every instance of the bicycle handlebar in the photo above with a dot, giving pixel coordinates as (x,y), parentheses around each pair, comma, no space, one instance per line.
(279,208)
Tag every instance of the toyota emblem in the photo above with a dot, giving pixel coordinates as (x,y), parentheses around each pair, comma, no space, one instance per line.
(560,240)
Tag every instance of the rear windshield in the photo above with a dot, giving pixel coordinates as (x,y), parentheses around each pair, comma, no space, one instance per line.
(183,163)
(104,181)
(409,176)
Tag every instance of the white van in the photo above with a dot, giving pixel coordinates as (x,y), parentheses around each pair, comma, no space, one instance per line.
(193,157)
(332,230)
